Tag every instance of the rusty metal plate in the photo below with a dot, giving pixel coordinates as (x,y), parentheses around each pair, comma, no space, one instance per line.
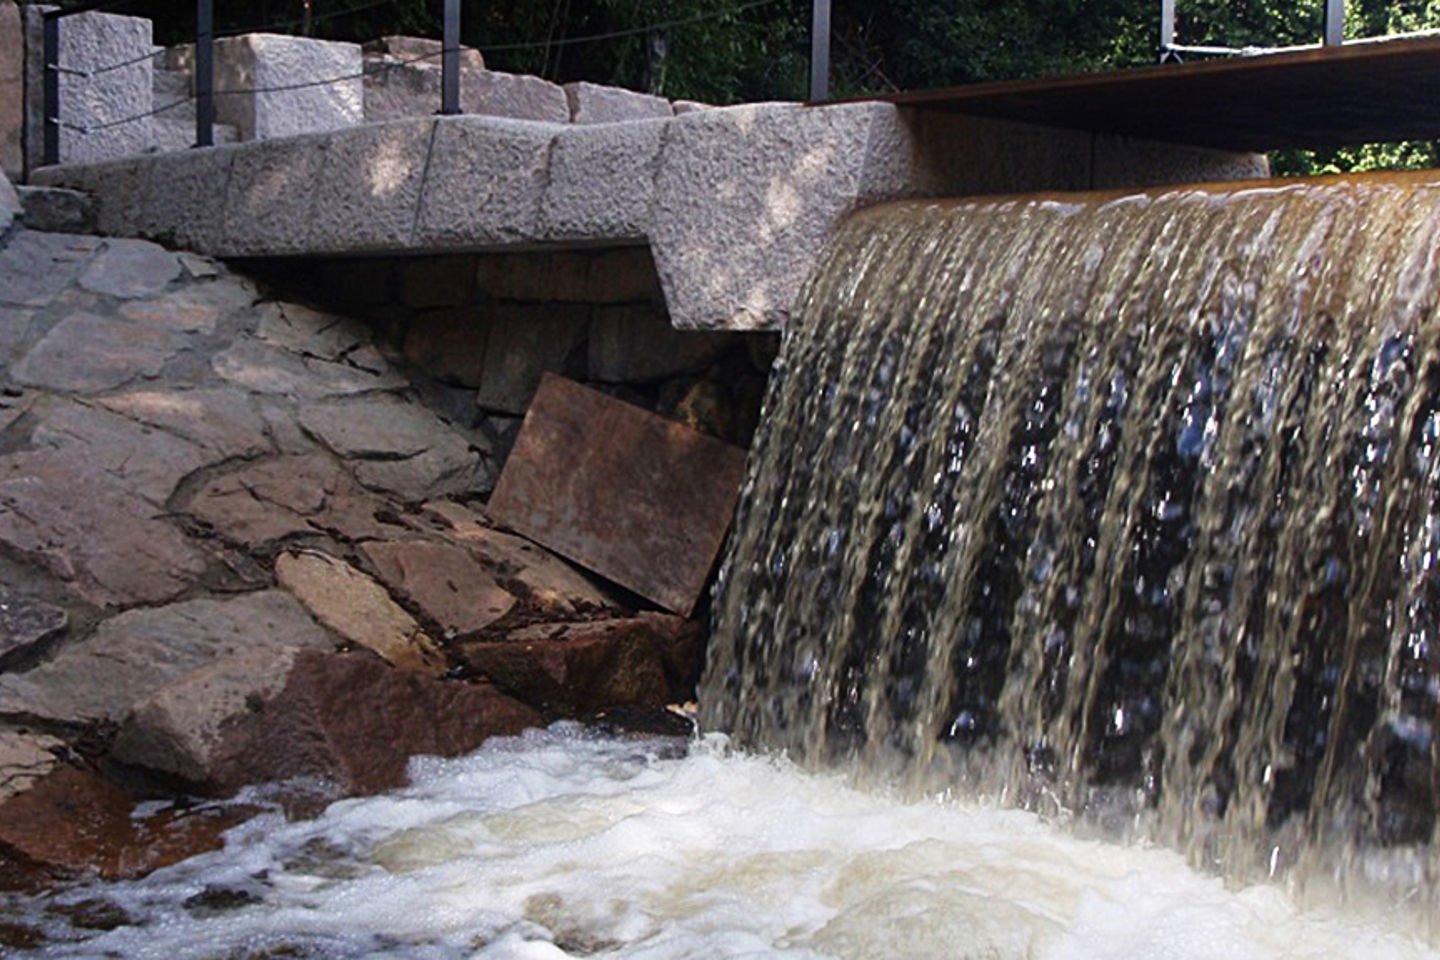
(1318,97)
(636,498)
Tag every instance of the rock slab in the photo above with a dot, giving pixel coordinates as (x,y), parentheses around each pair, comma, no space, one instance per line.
(358,609)
(445,582)
(136,653)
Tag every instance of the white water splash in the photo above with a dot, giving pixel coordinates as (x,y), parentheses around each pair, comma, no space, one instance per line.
(565,843)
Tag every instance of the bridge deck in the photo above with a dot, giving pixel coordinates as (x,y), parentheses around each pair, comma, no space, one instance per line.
(1371,91)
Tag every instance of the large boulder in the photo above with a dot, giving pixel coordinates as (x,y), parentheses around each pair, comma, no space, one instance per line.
(348,718)
(135,654)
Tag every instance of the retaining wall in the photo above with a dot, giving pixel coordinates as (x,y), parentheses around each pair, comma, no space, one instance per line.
(734,203)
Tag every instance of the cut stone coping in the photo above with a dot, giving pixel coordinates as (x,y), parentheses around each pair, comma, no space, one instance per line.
(736,203)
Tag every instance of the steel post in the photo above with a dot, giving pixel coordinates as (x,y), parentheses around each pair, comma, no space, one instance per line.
(450,61)
(50,87)
(1334,22)
(1167,28)
(820,51)
(205,73)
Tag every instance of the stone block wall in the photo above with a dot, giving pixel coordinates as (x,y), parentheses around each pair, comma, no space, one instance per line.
(478,330)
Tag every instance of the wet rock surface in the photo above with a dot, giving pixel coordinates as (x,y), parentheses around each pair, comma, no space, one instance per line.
(237,546)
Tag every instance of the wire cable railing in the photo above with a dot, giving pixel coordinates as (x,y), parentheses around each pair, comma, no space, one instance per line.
(1332,35)
(203,92)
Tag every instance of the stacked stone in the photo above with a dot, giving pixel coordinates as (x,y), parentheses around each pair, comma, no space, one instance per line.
(236,546)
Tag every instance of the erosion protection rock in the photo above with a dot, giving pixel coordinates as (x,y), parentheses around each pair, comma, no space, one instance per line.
(358,609)
(396,446)
(356,721)
(550,588)
(133,655)
(25,626)
(442,582)
(24,759)
(72,824)
(56,210)
(581,669)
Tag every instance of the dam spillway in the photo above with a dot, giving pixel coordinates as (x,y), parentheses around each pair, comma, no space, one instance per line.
(1115,506)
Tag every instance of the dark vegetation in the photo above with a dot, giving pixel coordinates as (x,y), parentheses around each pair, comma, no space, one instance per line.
(725,51)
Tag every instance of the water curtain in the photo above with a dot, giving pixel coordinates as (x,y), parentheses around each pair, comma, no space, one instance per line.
(1125,508)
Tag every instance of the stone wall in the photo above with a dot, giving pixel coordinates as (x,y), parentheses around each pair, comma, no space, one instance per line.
(480,329)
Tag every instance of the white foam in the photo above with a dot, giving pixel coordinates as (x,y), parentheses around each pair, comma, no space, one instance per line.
(562,844)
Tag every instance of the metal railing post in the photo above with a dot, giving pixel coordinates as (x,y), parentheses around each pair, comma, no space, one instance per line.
(1167,29)
(450,61)
(50,87)
(820,51)
(1334,22)
(205,73)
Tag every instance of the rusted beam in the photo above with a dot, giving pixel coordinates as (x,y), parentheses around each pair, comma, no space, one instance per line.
(1360,92)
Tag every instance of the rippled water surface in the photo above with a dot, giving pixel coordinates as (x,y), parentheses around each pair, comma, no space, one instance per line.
(570,844)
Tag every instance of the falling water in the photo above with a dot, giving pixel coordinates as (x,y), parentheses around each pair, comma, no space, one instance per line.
(1125,508)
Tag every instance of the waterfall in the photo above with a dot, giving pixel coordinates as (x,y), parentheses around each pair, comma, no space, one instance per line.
(1120,508)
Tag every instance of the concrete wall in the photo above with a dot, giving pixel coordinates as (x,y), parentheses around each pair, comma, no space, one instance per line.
(735,203)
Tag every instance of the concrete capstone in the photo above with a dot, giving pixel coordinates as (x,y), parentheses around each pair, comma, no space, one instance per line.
(602,181)
(486,182)
(369,187)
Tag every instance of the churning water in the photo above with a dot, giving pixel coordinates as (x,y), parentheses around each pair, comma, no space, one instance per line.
(562,844)
(1121,507)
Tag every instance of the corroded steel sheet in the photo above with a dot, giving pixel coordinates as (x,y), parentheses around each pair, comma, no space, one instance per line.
(634,497)
(1315,97)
